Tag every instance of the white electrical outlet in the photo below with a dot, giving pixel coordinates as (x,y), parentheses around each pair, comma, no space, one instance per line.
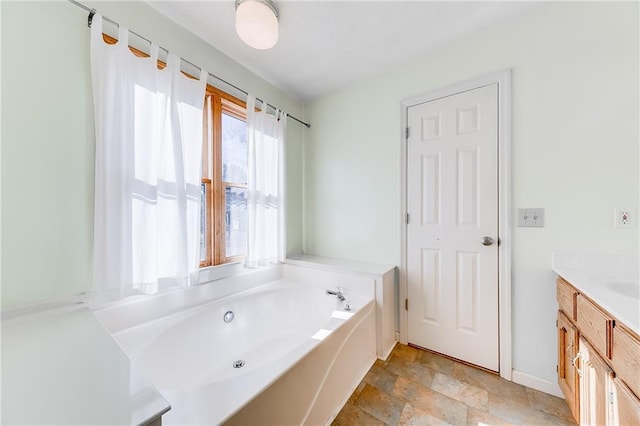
(624,218)
(531,218)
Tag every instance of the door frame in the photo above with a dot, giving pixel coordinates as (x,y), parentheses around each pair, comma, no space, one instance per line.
(503,79)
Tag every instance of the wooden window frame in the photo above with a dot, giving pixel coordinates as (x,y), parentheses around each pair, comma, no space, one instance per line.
(219,103)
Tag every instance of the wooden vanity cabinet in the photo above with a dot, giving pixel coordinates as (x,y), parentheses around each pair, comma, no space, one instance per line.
(625,358)
(625,408)
(598,362)
(566,296)
(596,380)
(567,350)
(594,325)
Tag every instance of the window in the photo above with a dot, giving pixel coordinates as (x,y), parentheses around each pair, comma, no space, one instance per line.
(223,230)
(223,191)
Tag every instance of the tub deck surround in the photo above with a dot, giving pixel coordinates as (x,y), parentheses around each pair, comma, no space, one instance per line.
(280,330)
(386,290)
(339,264)
(143,309)
(609,280)
(61,366)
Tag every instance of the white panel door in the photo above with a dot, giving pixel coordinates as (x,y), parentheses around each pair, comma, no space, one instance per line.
(452,234)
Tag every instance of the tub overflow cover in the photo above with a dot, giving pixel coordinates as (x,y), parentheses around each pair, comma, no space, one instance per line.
(238,364)
(228,316)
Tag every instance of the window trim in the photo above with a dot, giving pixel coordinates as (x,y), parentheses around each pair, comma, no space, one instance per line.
(217,103)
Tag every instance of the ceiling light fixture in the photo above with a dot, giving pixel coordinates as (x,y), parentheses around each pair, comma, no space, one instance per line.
(257,23)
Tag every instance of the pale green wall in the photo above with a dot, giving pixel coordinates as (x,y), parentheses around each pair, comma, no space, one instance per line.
(575,150)
(47,139)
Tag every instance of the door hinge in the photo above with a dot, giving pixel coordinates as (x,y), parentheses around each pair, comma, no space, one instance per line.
(556,323)
(406,304)
(406,219)
(557,369)
(406,132)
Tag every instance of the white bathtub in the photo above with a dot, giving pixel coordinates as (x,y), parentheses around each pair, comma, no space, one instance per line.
(303,355)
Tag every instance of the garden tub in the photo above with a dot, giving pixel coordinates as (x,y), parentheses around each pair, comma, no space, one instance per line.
(284,352)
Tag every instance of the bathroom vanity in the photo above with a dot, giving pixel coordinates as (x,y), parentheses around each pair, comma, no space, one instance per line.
(599,337)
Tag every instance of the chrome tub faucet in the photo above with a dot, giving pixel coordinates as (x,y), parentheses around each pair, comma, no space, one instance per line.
(337,294)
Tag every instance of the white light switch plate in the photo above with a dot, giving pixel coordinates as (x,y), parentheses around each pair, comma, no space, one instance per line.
(531,218)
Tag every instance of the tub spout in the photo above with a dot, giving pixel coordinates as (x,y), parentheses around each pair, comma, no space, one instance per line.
(337,294)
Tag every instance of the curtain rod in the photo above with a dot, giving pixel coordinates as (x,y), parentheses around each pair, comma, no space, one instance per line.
(90,19)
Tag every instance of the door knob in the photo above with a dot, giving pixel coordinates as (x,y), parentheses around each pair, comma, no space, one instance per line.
(487,241)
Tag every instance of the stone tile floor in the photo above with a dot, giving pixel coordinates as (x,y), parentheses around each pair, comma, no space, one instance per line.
(416,387)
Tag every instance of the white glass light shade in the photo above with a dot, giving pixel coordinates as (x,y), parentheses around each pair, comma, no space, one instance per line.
(257,23)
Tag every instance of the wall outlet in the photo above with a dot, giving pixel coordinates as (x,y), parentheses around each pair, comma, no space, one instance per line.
(624,218)
(531,218)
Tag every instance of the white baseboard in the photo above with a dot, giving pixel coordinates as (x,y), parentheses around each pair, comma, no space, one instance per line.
(537,383)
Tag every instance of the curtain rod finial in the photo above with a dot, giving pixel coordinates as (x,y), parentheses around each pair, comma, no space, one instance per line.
(90,18)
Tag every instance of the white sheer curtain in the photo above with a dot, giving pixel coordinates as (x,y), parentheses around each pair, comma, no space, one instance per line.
(148,127)
(266,199)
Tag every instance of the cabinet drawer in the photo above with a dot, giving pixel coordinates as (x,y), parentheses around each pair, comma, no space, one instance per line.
(566,296)
(625,358)
(625,405)
(594,324)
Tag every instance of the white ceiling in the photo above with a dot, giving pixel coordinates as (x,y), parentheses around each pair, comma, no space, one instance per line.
(327,44)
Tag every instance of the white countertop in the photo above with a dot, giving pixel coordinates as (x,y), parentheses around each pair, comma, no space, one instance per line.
(600,277)
(61,366)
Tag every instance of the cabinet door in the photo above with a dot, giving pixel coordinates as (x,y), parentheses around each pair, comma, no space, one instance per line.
(625,358)
(596,382)
(567,350)
(624,405)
